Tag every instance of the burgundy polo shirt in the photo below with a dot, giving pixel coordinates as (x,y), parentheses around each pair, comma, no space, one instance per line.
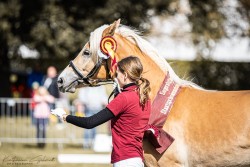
(128,125)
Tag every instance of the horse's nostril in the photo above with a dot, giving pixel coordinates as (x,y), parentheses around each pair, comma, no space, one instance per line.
(60,82)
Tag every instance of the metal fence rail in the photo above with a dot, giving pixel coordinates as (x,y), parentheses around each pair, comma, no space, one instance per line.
(16,124)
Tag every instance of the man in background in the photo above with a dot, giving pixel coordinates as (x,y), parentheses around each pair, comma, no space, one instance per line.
(50,83)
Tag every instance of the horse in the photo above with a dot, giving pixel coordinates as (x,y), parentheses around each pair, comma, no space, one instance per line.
(210,127)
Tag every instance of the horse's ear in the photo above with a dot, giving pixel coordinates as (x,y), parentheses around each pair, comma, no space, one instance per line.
(110,31)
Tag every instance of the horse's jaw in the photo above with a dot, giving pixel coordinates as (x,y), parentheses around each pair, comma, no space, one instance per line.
(71,88)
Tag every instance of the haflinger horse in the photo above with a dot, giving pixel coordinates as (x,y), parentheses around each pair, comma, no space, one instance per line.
(210,128)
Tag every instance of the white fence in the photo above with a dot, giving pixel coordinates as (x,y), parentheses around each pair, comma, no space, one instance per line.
(16,124)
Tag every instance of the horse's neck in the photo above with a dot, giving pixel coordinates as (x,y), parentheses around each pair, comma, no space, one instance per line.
(152,71)
(154,74)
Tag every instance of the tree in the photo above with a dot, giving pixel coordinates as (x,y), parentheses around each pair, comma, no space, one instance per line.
(221,75)
(8,40)
(213,20)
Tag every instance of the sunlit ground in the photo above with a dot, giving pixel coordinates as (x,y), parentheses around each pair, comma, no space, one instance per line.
(27,154)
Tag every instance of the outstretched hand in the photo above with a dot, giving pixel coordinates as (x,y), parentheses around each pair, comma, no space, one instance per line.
(59,112)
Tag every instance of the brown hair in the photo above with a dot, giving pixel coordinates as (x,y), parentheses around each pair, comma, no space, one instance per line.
(133,67)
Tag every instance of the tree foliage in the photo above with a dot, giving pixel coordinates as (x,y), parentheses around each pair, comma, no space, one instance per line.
(58,28)
(207,23)
(221,76)
(215,75)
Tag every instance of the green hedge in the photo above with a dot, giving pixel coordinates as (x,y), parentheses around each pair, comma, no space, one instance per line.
(215,75)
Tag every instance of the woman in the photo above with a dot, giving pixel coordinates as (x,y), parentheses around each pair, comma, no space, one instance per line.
(129,113)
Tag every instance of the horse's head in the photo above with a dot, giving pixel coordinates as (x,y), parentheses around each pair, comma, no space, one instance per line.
(93,65)
(96,63)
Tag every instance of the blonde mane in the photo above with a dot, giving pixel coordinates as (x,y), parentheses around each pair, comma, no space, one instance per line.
(135,37)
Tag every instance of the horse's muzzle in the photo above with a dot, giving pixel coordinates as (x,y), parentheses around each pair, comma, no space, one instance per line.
(60,82)
(63,87)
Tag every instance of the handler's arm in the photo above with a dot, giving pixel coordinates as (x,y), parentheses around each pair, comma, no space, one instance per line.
(92,121)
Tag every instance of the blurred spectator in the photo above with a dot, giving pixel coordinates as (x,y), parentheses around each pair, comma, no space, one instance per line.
(42,113)
(50,83)
(79,108)
(93,99)
(35,86)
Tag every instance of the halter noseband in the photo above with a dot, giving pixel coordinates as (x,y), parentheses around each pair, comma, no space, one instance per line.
(87,79)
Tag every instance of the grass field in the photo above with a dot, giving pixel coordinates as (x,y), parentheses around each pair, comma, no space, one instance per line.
(29,155)
(13,155)
(21,127)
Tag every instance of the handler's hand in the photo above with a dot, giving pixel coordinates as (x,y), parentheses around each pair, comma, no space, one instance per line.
(58,112)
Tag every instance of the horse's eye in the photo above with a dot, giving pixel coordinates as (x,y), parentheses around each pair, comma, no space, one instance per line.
(86,53)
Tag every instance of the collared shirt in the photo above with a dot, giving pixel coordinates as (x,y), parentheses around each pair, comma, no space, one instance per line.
(129,124)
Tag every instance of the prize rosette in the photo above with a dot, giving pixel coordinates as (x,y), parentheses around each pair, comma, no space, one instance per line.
(108,45)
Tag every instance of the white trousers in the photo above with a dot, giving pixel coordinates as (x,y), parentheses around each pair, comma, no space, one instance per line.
(131,162)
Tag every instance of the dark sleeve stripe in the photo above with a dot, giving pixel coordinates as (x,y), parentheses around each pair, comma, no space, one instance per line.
(92,121)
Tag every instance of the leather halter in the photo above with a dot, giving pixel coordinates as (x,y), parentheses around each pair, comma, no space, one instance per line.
(87,80)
